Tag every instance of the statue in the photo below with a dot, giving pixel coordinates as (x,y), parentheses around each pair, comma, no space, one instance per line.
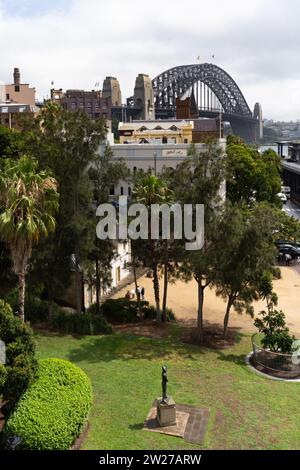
(165,406)
(164,381)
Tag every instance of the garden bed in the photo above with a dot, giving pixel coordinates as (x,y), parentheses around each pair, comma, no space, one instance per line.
(276,364)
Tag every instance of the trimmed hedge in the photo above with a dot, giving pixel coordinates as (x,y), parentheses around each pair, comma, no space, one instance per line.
(82,324)
(20,366)
(52,412)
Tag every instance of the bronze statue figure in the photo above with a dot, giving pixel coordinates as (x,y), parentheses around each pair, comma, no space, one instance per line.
(164,381)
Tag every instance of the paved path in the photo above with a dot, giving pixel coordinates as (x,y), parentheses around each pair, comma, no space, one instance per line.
(182,299)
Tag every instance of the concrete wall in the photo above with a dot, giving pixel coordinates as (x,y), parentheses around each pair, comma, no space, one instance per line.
(26,95)
(2,93)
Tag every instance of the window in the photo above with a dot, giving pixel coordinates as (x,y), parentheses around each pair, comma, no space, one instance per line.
(173,128)
(7,96)
(129,191)
(143,128)
(164,140)
(112,190)
(158,128)
(186,141)
(122,191)
(17,88)
(134,169)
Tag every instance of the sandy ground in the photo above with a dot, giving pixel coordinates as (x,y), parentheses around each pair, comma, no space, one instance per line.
(182,299)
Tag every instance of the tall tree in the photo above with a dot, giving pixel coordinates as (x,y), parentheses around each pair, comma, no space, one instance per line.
(251,175)
(29,200)
(11,146)
(243,256)
(104,173)
(67,143)
(152,190)
(198,180)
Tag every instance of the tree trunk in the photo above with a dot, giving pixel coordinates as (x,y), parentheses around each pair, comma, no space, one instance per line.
(78,285)
(164,305)
(226,317)
(97,285)
(21,295)
(199,332)
(138,299)
(156,292)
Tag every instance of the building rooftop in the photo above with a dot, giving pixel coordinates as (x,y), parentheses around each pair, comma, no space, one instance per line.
(17,108)
(156,125)
(292,166)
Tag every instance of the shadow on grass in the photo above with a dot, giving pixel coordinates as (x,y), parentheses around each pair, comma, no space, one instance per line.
(129,347)
(238,359)
(55,334)
(213,336)
(136,427)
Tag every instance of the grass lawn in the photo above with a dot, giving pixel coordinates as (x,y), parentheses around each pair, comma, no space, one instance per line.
(246,411)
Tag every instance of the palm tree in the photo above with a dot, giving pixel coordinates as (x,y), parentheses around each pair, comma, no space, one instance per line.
(28,201)
(152,190)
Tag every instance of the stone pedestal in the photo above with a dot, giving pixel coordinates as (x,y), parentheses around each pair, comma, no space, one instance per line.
(166,412)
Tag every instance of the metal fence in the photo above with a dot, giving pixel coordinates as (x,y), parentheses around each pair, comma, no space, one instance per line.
(276,364)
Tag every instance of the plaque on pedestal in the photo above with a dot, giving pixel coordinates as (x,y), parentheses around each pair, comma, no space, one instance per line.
(166,412)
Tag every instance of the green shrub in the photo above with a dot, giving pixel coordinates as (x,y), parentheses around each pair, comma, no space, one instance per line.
(52,412)
(170,315)
(92,309)
(20,366)
(150,312)
(276,334)
(123,310)
(82,324)
(36,310)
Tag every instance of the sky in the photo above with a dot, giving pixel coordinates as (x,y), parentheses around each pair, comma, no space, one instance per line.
(77,43)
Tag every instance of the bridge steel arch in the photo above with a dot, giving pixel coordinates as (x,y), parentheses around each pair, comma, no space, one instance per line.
(176,81)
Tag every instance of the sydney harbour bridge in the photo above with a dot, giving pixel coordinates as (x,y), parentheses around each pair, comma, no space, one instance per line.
(215,93)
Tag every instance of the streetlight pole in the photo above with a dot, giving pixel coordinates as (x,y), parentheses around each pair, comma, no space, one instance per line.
(155,158)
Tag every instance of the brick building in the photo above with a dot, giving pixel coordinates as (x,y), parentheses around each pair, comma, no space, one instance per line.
(90,102)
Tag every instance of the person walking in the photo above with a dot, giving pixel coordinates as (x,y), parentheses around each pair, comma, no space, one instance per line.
(143,293)
(138,293)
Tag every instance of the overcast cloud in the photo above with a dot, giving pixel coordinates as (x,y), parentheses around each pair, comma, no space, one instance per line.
(76,43)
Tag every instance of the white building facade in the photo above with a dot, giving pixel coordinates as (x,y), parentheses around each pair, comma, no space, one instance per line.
(155,157)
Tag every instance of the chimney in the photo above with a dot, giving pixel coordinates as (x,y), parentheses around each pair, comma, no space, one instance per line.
(17,76)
